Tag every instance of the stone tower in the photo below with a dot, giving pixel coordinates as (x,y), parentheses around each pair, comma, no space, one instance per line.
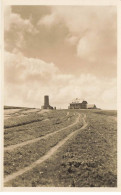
(46,103)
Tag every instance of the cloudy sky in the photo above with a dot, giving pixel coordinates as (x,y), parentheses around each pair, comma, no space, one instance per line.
(65,52)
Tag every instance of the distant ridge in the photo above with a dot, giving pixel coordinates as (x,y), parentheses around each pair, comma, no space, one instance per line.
(14,107)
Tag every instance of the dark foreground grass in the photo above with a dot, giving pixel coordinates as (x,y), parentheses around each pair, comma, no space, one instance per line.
(87,160)
(24,156)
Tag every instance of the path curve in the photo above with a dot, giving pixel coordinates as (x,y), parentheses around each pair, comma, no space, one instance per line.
(46,156)
(12,147)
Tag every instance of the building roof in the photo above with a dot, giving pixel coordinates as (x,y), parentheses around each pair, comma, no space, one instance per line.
(75,103)
(84,102)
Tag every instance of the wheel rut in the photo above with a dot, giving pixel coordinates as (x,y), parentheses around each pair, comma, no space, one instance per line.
(46,156)
(12,147)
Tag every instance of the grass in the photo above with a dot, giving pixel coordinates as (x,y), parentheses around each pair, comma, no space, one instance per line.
(16,107)
(22,157)
(33,117)
(40,127)
(89,159)
(23,120)
(12,107)
(107,112)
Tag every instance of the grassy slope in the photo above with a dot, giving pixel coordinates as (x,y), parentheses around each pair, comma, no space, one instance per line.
(34,125)
(24,156)
(87,160)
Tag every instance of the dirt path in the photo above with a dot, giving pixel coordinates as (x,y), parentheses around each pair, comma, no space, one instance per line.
(46,156)
(12,147)
(67,114)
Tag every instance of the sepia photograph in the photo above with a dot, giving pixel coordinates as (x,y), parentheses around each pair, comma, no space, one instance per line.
(60,96)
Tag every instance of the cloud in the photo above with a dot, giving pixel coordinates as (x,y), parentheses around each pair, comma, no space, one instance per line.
(81,18)
(14,20)
(19,68)
(48,20)
(85,47)
(15,28)
(65,52)
(94,27)
(27,80)
(72,40)
(78,39)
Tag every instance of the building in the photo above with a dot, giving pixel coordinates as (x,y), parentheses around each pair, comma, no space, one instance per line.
(46,103)
(77,105)
(91,106)
(84,105)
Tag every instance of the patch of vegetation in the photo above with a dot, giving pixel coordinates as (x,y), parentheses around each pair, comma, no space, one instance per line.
(31,130)
(23,120)
(89,159)
(24,156)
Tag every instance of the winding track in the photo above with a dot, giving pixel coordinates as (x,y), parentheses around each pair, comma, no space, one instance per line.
(46,156)
(12,147)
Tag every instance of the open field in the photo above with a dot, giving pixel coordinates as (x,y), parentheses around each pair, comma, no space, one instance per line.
(60,148)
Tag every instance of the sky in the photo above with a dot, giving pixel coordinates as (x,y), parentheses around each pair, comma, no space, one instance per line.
(65,52)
